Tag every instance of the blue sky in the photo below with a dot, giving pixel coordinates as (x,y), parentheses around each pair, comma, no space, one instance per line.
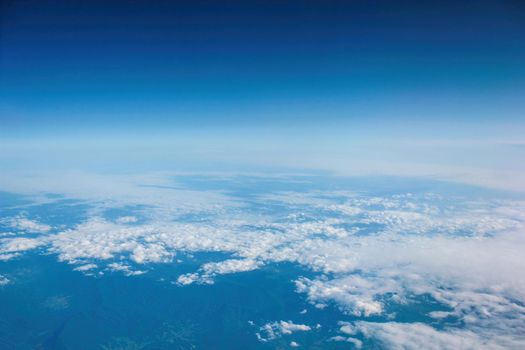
(413,85)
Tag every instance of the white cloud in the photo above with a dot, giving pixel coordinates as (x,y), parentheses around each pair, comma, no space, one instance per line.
(8,256)
(126,219)
(19,244)
(362,250)
(25,224)
(85,267)
(125,269)
(355,294)
(358,344)
(4,280)
(273,330)
(190,278)
(210,270)
(414,336)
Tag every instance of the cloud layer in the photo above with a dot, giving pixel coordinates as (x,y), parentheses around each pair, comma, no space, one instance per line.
(364,253)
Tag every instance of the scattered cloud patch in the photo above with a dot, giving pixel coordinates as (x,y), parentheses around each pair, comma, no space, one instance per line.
(414,336)
(8,256)
(209,270)
(19,244)
(125,269)
(190,278)
(86,267)
(24,224)
(4,280)
(273,330)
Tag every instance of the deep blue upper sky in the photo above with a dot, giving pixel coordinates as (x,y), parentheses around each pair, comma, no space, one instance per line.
(96,64)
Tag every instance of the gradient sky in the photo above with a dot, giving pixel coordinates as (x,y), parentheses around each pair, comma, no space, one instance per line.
(355,87)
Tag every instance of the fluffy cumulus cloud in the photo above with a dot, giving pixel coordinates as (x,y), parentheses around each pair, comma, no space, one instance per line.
(355,294)
(363,253)
(22,223)
(125,269)
(273,330)
(11,246)
(86,267)
(209,270)
(414,336)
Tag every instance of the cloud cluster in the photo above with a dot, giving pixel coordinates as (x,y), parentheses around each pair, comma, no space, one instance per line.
(364,253)
(22,223)
(414,336)
(273,330)
(209,270)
